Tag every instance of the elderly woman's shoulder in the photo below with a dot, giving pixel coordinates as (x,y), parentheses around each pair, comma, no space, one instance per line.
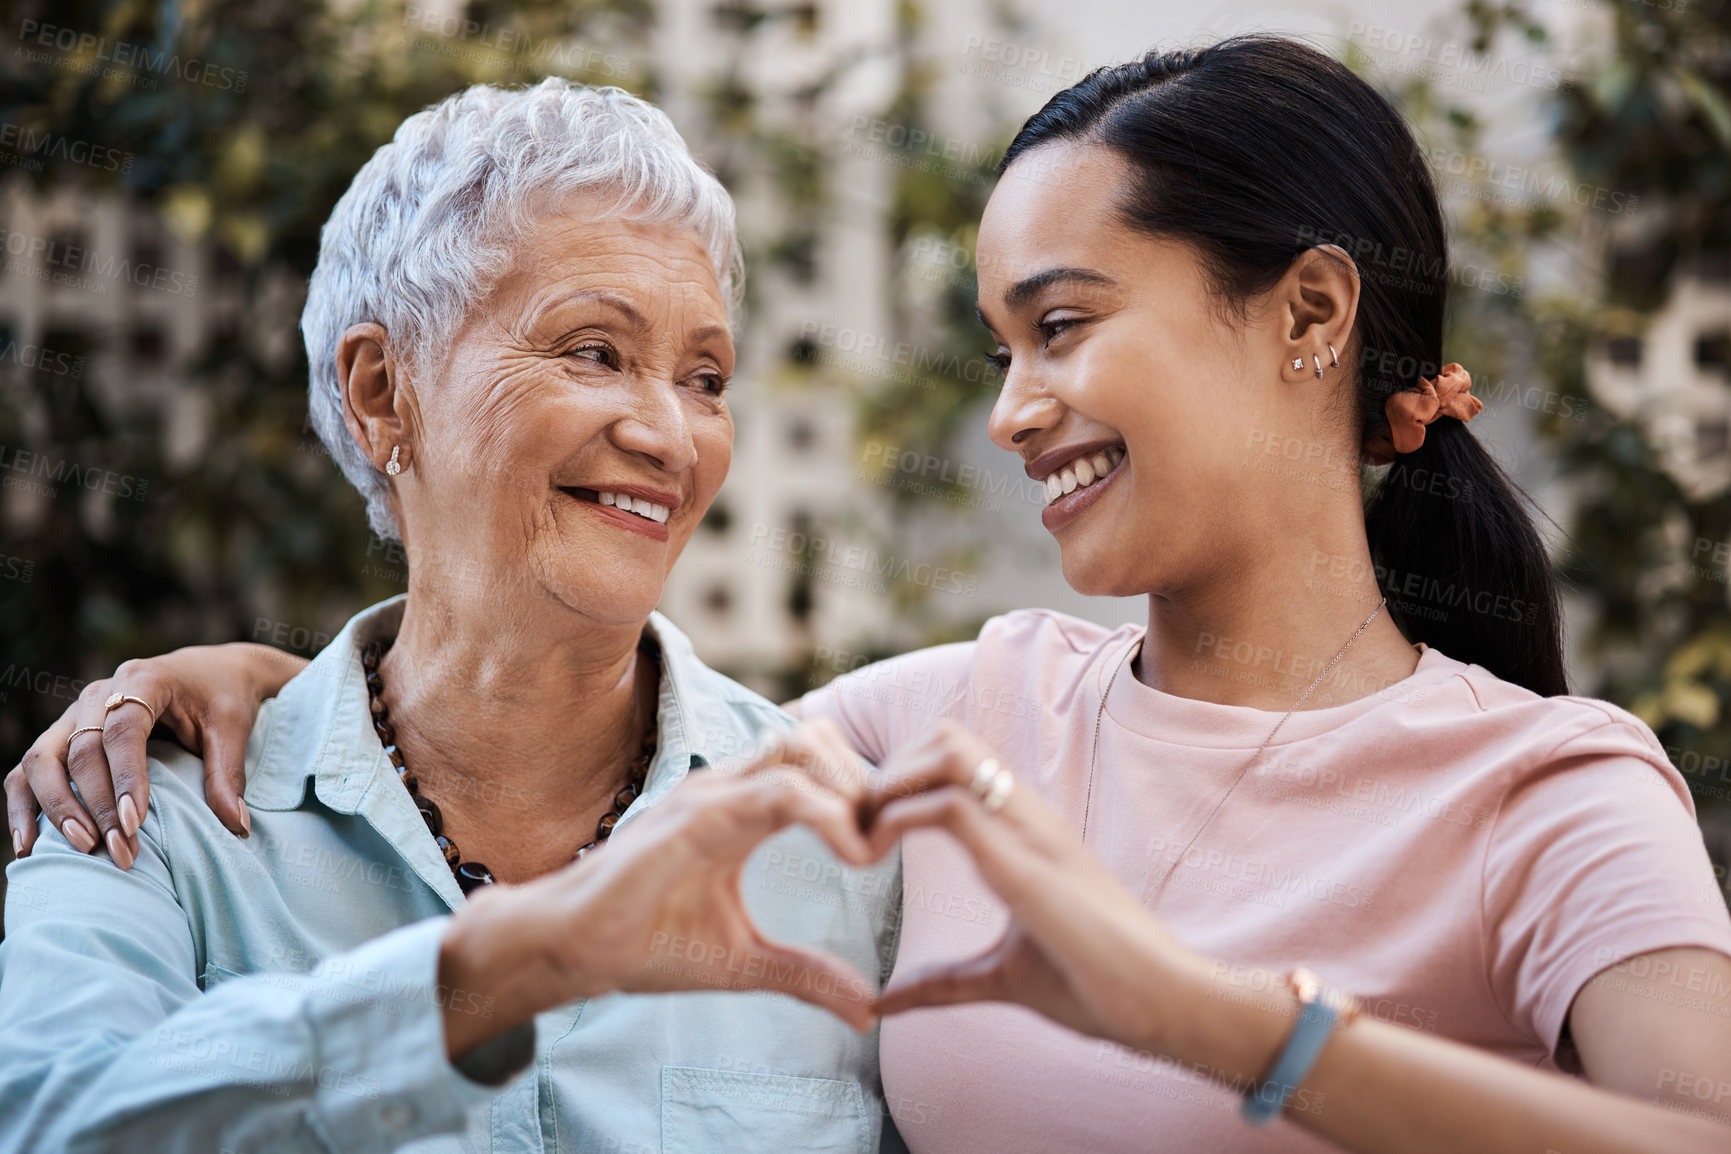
(177,775)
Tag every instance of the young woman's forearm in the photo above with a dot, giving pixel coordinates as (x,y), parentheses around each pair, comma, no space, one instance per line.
(272,668)
(1383,1089)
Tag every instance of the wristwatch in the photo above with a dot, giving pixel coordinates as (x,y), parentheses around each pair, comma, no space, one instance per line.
(1321,1010)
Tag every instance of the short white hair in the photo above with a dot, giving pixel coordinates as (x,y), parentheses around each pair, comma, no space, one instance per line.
(433,221)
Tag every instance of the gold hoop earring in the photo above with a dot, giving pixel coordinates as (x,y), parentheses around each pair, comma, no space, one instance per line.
(392,467)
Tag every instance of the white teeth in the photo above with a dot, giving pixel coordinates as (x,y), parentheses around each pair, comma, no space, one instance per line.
(1081,473)
(637,505)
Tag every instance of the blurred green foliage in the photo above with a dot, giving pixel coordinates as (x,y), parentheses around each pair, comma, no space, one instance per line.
(249,159)
(252,169)
(1643,114)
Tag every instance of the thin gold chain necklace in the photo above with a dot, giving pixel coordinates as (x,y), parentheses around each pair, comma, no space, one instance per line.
(1094,755)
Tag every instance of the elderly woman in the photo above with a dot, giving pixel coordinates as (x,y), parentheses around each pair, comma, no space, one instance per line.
(1505,881)
(519,338)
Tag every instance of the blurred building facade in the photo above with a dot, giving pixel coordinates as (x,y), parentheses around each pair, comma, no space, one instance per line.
(807,563)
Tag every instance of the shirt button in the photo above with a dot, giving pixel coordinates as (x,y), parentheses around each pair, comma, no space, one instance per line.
(396,1116)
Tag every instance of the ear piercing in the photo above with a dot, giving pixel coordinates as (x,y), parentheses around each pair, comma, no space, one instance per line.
(1333,362)
(393,467)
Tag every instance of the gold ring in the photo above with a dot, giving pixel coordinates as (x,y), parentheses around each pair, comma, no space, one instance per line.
(120,699)
(992,784)
(984,773)
(73,736)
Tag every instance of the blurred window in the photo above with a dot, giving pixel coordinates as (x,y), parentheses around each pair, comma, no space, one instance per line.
(1713,351)
(1714,265)
(147,253)
(148,345)
(1624,352)
(718,600)
(1712,438)
(66,248)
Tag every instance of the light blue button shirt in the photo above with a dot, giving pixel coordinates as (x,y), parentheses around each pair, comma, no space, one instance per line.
(279,993)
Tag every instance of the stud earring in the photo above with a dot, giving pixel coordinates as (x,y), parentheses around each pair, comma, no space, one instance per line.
(392,467)
(1298,362)
(1333,358)
(1318,361)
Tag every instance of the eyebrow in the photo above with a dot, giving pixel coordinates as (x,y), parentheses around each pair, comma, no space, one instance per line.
(707,332)
(1028,288)
(619,304)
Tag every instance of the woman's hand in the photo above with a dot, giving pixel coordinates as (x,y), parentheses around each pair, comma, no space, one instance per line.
(658,908)
(1079,949)
(206,695)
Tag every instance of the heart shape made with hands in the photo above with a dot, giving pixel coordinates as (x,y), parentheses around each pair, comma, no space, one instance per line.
(666,895)
(1079,947)
(668,887)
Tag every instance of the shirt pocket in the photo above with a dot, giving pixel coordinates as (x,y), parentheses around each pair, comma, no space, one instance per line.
(214,976)
(703,1111)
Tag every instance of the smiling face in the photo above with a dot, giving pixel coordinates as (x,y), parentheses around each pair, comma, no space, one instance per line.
(1128,390)
(577,432)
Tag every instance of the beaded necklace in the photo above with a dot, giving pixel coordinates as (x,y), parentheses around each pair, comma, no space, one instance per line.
(471,875)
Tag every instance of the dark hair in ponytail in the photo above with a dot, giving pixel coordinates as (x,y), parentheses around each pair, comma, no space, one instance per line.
(1258,149)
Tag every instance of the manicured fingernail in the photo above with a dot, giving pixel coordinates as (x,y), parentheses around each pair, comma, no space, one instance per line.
(119,850)
(82,839)
(128,814)
(17,845)
(245,820)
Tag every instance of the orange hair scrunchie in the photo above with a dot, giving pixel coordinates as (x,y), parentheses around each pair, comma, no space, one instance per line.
(1448,394)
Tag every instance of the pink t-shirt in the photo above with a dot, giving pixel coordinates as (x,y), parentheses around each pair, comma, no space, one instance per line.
(1460,853)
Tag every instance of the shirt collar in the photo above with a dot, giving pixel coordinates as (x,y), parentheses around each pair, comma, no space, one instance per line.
(320,725)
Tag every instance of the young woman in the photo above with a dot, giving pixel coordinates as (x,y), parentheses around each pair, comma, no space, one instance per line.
(1217,283)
